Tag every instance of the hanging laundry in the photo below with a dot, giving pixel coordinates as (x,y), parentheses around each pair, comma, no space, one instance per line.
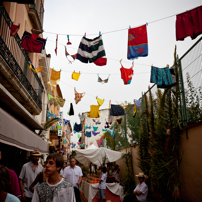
(82,117)
(100,101)
(111,131)
(135,110)
(55,75)
(137,42)
(77,127)
(76,75)
(119,120)
(60,101)
(33,43)
(90,49)
(50,97)
(161,76)
(14,29)
(126,74)
(97,122)
(88,134)
(68,43)
(99,142)
(66,53)
(56,46)
(65,121)
(79,135)
(104,130)
(87,127)
(78,96)
(95,128)
(172,71)
(49,114)
(137,102)
(94,111)
(107,125)
(116,110)
(101,61)
(102,81)
(189,24)
(39,69)
(95,133)
(71,111)
(74,56)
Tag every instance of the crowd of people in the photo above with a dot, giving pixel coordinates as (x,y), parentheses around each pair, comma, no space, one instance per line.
(55,182)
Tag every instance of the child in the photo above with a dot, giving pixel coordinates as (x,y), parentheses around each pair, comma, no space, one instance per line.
(55,188)
(102,185)
(5,185)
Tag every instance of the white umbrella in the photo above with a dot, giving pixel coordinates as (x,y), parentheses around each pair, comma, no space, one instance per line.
(96,155)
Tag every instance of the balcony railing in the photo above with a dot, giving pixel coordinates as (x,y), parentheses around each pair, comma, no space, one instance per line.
(17,58)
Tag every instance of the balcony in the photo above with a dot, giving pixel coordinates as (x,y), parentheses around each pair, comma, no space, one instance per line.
(15,76)
(35,13)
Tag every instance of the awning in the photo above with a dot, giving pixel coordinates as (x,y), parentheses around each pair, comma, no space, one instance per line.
(14,133)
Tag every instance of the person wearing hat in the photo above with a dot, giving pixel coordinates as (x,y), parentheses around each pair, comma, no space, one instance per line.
(28,174)
(141,189)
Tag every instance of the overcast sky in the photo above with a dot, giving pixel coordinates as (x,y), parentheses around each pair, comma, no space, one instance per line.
(112,18)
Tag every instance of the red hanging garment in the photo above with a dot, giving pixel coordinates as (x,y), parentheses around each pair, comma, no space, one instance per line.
(189,24)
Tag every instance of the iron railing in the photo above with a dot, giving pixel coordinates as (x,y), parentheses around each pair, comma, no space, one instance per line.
(17,58)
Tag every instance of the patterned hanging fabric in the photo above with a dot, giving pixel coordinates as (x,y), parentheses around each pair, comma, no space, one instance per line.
(78,96)
(55,75)
(137,42)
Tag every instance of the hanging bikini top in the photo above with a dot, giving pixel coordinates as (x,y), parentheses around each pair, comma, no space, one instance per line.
(102,81)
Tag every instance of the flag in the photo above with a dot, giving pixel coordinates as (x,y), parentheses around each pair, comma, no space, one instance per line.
(137,42)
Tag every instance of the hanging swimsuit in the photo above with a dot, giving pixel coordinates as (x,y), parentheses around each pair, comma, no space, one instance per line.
(126,74)
(102,81)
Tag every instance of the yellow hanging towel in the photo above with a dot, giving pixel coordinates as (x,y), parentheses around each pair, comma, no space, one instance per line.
(99,101)
(94,111)
(55,75)
(76,75)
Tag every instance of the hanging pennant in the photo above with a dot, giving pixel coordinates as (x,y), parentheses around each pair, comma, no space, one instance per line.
(56,48)
(137,42)
(14,29)
(78,96)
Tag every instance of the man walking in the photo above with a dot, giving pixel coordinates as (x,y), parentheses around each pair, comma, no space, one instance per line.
(74,174)
(56,188)
(28,174)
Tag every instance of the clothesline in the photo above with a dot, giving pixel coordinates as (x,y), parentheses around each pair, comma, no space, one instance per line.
(113,30)
(107,57)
